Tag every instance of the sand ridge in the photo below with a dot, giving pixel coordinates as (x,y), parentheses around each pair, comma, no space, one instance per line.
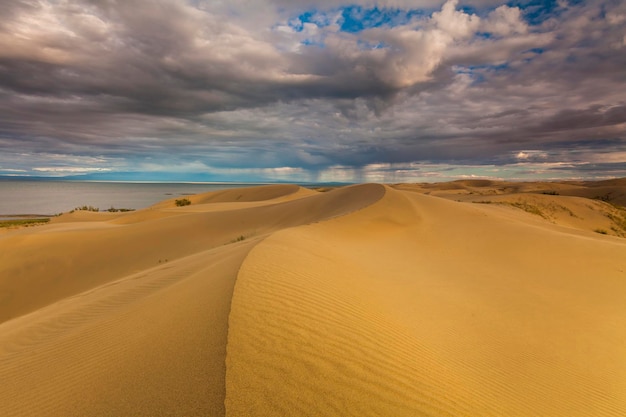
(364,300)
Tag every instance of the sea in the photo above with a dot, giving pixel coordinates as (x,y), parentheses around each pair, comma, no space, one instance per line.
(48,197)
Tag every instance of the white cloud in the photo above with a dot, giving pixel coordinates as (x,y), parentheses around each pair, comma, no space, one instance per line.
(531,155)
(615,18)
(505,21)
(455,23)
(70,170)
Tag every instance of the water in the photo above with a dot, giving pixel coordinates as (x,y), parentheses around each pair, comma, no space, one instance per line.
(54,197)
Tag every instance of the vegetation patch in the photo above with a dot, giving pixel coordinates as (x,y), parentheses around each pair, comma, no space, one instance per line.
(86,208)
(606,197)
(568,211)
(97,210)
(23,222)
(601,231)
(183,202)
(618,217)
(529,208)
(116,210)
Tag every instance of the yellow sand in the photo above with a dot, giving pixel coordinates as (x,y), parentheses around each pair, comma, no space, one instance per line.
(281,301)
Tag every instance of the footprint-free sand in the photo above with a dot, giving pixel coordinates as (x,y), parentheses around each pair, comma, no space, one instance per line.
(472,298)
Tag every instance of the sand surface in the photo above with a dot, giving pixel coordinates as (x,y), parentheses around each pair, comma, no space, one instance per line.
(471,298)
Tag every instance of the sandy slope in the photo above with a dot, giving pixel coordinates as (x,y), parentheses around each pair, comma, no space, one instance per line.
(363,300)
(421,306)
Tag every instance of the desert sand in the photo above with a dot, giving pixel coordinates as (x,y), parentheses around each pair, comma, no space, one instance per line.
(470,298)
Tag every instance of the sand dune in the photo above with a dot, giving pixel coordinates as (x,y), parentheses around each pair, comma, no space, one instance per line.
(66,258)
(496,300)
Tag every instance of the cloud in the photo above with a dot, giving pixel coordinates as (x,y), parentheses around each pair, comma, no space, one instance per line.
(505,21)
(456,24)
(71,170)
(211,85)
(531,155)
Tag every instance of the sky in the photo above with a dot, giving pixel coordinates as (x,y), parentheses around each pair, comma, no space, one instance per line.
(313,90)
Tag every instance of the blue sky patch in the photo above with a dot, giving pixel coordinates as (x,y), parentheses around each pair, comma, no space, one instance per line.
(354,19)
(535,12)
(479,73)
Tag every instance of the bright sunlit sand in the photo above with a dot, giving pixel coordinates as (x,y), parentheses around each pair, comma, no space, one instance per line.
(470,298)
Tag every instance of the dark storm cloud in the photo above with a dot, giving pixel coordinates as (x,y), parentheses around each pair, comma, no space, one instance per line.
(239,84)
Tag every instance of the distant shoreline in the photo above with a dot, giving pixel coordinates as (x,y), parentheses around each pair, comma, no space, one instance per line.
(24,216)
(174,182)
(49,197)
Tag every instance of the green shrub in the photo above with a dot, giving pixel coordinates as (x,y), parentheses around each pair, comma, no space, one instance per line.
(183,202)
(86,208)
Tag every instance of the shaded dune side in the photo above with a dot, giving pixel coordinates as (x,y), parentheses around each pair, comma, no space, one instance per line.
(419,306)
(151,344)
(615,194)
(61,260)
